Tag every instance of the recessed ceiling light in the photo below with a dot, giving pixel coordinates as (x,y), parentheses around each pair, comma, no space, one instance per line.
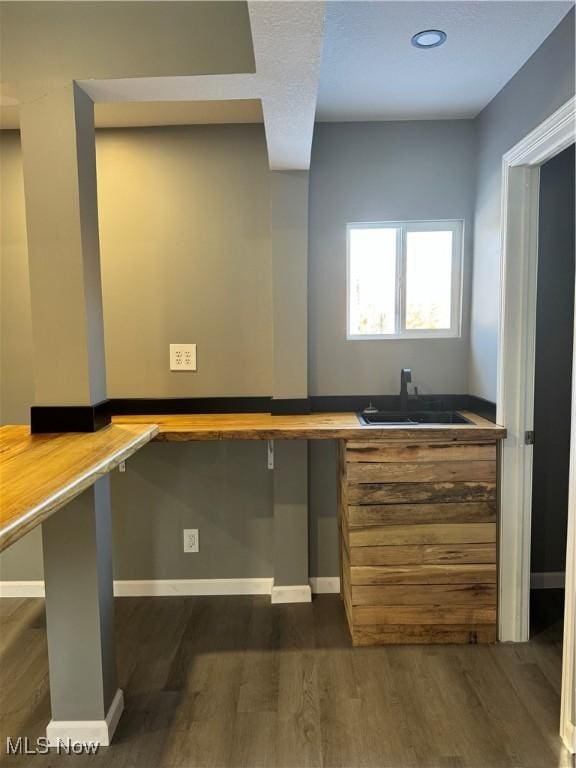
(429,38)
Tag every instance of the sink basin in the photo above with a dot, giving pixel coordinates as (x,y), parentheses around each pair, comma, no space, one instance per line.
(411,418)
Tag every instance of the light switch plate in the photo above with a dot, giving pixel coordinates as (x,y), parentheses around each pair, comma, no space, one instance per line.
(182,357)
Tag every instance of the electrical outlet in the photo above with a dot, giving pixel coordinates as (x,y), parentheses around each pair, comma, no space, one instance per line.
(191,541)
(182,357)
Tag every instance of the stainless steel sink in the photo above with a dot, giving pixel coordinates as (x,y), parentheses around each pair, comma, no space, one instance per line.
(410,418)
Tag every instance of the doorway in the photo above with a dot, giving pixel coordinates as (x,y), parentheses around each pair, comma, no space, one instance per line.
(552,393)
(521,167)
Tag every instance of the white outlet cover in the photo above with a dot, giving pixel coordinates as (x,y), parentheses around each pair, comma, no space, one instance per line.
(191,540)
(182,357)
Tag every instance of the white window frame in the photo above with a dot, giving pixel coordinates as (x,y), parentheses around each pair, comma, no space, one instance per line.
(456,226)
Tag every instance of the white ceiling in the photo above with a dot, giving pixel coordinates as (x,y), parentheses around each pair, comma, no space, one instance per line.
(370,71)
(287,38)
(339,60)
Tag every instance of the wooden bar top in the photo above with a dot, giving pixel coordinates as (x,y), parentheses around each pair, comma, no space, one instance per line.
(41,473)
(314,426)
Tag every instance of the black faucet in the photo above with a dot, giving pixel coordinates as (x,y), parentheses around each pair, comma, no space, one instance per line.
(405,378)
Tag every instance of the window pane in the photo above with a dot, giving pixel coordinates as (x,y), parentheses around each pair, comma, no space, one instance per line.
(372,281)
(428,280)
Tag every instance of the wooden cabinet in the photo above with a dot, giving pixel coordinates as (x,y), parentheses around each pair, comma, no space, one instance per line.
(418,540)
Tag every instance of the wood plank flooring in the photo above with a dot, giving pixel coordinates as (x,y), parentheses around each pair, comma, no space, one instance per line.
(238,682)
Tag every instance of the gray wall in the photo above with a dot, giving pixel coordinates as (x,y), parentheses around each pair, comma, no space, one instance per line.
(377,172)
(24,559)
(57,42)
(184,221)
(553,381)
(383,172)
(17,383)
(185,238)
(222,488)
(543,84)
(186,256)
(200,271)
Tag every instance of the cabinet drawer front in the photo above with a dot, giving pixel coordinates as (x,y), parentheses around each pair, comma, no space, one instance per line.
(443,533)
(424,472)
(367,575)
(423,614)
(397,493)
(429,553)
(384,452)
(436,594)
(361,516)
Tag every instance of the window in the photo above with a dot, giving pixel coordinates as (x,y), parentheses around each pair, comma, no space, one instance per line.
(404,279)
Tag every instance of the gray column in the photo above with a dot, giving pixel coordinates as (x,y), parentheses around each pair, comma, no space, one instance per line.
(289,215)
(59,162)
(79,606)
(291,521)
(290,300)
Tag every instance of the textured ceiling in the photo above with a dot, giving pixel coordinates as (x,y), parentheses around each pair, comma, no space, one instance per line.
(339,60)
(287,39)
(370,71)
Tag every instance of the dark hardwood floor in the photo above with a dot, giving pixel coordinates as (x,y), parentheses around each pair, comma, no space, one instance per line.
(238,682)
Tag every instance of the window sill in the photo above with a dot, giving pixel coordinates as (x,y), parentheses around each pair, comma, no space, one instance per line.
(405,336)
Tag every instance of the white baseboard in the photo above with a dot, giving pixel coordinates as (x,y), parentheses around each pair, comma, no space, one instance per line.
(325,585)
(69,732)
(192,587)
(569,737)
(291,594)
(548,580)
(21,589)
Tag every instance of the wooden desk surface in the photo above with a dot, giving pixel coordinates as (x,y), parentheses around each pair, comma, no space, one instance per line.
(41,473)
(314,426)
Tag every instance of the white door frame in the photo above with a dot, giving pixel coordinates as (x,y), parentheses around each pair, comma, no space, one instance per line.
(516,364)
(568,701)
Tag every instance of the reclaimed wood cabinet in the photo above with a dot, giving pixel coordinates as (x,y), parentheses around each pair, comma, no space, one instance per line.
(418,540)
